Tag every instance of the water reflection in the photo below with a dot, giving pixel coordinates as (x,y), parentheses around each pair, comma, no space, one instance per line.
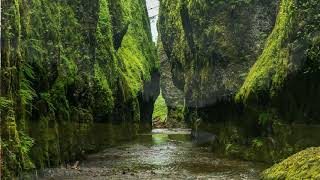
(160,138)
(162,154)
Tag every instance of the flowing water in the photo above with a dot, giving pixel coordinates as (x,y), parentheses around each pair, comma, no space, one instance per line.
(162,154)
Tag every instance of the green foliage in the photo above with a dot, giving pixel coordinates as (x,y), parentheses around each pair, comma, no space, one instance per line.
(257,143)
(232,149)
(26,91)
(160,109)
(5,103)
(16,152)
(177,114)
(313,55)
(267,117)
(229,2)
(46,98)
(25,146)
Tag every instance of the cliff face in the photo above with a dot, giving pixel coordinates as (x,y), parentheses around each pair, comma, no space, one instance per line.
(67,65)
(174,97)
(211,45)
(289,65)
(243,67)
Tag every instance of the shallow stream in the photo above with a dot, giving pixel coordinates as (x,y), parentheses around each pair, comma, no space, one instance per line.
(162,154)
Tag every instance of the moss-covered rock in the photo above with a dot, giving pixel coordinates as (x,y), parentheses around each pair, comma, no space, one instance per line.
(211,45)
(242,67)
(287,52)
(174,97)
(302,165)
(289,60)
(68,63)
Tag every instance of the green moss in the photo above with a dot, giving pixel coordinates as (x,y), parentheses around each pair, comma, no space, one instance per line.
(290,33)
(273,63)
(60,64)
(205,41)
(104,99)
(137,53)
(209,43)
(303,165)
(133,64)
(160,109)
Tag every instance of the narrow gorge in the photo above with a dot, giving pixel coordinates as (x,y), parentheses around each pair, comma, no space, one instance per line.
(168,89)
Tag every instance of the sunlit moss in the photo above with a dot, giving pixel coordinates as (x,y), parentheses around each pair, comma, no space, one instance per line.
(137,53)
(160,109)
(303,165)
(291,32)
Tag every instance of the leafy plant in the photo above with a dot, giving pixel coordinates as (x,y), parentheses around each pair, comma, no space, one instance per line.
(257,143)
(266,118)
(160,109)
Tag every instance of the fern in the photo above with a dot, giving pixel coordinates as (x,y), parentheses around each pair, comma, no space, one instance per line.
(47,99)
(28,71)
(257,143)
(26,142)
(4,103)
(26,92)
(25,146)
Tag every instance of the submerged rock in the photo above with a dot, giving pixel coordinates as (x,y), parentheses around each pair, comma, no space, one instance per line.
(303,165)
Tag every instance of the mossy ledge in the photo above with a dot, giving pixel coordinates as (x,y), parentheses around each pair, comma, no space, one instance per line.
(302,165)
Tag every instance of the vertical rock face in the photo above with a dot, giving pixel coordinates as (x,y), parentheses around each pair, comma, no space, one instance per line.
(66,65)
(289,65)
(243,67)
(174,97)
(211,45)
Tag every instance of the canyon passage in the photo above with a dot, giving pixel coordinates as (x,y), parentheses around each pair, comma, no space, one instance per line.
(160,89)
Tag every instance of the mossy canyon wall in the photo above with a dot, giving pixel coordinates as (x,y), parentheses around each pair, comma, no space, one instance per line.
(67,65)
(249,72)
